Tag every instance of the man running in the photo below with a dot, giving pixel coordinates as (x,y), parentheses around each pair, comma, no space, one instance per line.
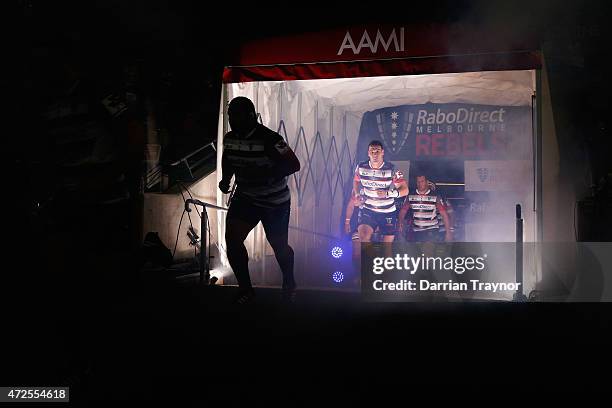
(261,160)
(424,207)
(376,185)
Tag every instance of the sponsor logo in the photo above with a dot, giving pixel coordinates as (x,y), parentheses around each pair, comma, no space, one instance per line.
(422,206)
(461,115)
(282,147)
(480,208)
(394,41)
(249,147)
(399,132)
(416,197)
(483,174)
(374,173)
(375,184)
(497,175)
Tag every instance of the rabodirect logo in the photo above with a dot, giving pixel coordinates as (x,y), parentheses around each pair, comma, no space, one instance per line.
(459,116)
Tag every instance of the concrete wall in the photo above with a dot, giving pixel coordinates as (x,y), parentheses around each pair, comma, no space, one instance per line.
(162,213)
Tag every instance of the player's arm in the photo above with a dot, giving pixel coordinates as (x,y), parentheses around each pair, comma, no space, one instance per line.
(227,172)
(401,216)
(401,186)
(350,207)
(451,214)
(445,219)
(356,187)
(284,160)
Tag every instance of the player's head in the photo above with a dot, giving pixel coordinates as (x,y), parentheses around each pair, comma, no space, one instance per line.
(376,152)
(242,115)
(422,184)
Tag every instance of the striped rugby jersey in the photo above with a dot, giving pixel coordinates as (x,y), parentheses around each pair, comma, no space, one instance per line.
(372,180)
(449,209)
(260,149)
(424,209)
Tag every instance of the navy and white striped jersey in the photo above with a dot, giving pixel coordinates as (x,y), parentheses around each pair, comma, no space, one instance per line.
(371,180)
(258,150)
(449,211)
(424,209)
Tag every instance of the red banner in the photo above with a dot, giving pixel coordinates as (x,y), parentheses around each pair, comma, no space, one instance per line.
(408,66)
(384,50)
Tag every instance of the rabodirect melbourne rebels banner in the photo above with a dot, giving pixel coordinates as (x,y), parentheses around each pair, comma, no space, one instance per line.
(452,131)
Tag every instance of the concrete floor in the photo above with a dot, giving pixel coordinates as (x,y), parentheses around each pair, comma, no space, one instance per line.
(173,340)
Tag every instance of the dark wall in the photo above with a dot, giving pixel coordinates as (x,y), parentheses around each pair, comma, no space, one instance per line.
(168,56)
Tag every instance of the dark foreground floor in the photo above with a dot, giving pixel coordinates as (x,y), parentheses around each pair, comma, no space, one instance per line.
(164,340)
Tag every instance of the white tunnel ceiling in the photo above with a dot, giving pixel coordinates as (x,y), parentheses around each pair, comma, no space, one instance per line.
(359,95)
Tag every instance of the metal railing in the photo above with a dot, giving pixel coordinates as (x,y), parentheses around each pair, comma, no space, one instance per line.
(183,169)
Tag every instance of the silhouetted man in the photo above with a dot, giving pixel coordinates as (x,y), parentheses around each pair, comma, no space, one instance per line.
(261,161)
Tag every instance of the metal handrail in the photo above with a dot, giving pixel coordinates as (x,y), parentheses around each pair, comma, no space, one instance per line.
(204,264)
(176,163)
(154,175)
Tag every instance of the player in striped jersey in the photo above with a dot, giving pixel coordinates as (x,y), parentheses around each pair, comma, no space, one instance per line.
(449,211)
(376,185)
(424,207)
(260,160)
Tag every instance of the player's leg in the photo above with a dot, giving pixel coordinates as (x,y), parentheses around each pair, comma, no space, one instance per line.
(366,227)
(276,226)
(241,219)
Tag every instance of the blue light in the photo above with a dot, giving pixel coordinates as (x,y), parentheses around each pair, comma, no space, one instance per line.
(338,276)
(336,252)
